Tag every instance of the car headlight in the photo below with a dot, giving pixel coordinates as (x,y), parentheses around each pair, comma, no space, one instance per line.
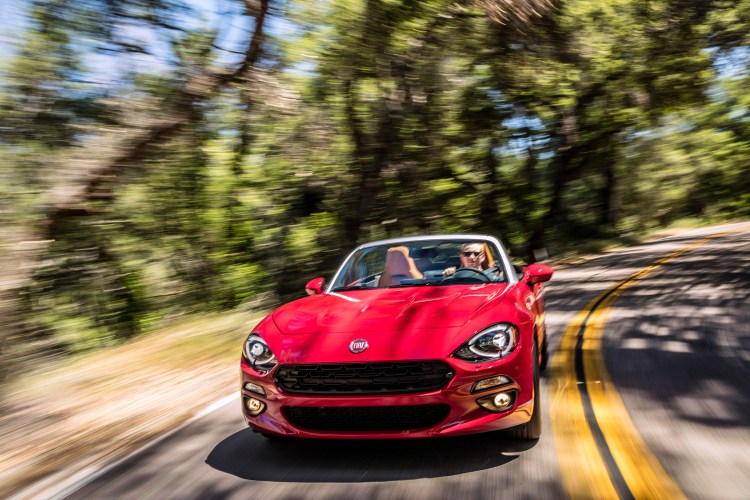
(494,342)
(259,354)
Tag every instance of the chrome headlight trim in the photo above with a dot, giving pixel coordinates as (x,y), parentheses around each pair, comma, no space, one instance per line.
(494,342)
(258,354)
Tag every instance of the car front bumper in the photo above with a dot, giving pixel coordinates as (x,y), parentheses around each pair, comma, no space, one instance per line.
(463,413)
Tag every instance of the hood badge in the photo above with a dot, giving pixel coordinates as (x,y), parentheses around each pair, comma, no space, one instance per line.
(358,345)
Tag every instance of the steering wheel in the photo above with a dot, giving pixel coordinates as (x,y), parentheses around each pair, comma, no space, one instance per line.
(470,271)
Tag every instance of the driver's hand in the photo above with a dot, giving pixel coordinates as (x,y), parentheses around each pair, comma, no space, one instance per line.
(450,271)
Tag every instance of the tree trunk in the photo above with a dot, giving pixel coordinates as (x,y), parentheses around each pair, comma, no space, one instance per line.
(607,202)
(86,175)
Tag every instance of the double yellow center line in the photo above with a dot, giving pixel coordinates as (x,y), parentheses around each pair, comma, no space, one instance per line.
(601,453)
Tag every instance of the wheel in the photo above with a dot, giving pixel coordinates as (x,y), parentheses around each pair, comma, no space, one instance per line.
(545,354)
(533,428)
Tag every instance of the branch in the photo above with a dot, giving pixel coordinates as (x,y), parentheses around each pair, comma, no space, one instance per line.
(74,194)
(519,13)
(70,198)
(259,9)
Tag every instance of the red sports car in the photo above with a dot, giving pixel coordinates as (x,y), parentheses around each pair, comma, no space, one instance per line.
(413,337)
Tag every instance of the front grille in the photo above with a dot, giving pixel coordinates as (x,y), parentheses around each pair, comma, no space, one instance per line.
(366,418)
(363,378)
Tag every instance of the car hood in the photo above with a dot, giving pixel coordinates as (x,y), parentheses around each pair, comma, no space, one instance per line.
(398,323)
(387,308)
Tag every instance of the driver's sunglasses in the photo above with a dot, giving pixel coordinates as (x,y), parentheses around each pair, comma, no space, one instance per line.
(470,254)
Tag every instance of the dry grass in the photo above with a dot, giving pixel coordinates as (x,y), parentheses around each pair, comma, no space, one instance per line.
(104,406)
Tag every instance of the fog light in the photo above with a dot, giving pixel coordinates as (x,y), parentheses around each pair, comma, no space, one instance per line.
(499,402)
(502,400)
(255,406)
(255,388)
(489,383)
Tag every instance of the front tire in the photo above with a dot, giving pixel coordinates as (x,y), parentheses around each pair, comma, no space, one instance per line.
(545,354)
(533,428)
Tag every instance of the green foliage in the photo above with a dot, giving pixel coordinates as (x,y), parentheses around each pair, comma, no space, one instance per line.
(589,123)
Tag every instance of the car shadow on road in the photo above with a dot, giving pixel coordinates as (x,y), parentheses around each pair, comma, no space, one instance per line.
(248,455)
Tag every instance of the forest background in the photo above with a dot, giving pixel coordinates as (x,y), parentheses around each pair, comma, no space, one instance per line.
(165,157)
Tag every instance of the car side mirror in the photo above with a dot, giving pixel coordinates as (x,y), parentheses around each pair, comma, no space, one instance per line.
(315,286)
(537,273)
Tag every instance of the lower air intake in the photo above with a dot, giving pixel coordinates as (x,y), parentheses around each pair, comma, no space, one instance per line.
(366,418)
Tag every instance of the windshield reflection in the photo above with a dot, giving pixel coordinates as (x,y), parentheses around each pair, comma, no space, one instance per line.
(421,263)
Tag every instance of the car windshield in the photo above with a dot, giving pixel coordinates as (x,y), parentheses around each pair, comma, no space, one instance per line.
(421,263)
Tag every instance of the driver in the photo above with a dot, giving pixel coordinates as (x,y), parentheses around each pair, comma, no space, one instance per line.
(471,255)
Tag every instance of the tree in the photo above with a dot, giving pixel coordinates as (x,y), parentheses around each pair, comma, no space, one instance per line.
(85,179)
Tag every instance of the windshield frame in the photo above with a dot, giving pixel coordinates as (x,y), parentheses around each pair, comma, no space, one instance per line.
(504,260)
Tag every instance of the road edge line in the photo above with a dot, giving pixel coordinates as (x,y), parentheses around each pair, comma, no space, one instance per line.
(87,474)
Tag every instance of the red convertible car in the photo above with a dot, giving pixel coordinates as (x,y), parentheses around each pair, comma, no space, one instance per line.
(413,337)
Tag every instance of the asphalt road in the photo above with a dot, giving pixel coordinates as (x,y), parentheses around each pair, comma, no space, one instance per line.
(676,345)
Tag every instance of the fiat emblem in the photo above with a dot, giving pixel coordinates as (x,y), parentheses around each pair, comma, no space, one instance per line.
(358,346)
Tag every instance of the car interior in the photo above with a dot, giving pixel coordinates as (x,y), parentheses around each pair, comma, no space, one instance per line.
(415,264)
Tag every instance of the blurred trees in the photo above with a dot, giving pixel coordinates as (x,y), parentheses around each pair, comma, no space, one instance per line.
(167,156)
